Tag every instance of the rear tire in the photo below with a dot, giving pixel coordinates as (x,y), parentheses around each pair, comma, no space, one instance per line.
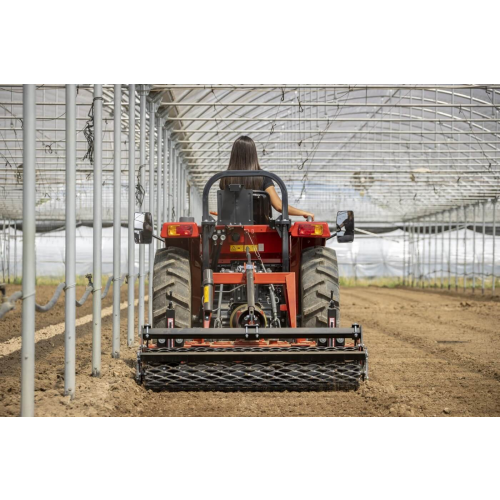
(172,273)
(319,276)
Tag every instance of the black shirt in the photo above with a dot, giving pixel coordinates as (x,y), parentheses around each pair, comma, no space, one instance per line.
(267,183)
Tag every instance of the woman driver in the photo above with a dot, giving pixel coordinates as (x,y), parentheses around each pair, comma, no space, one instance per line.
(244,157)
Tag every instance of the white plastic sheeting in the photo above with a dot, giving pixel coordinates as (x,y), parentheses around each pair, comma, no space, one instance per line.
(366,257)
(382,256)
(49,248)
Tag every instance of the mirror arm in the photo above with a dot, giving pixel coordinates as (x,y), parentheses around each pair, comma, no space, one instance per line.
(150,228)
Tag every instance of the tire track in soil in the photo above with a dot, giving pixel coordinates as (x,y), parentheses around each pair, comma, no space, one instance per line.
(433,376)
(481,347)
(473,319)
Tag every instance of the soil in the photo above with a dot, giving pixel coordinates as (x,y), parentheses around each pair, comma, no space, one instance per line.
(431,353)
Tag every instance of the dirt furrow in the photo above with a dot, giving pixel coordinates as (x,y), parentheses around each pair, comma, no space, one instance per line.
(410,373)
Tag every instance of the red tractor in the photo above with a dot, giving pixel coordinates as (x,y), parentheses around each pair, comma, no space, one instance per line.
(246,302)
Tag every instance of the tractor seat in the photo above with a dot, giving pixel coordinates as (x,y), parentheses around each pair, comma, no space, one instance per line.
(262,211)
(238,206)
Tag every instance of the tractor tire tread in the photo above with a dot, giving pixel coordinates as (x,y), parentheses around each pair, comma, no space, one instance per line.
(319,276)
(172,273)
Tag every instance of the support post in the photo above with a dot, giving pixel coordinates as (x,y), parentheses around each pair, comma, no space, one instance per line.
(117,220)
(97,236)
(171,175)
(179,185)
(15,250)
(456,260)
(70,251)
(449,253)
(483,280)
(3,248)
(413,256)
(159,176)
(131,210)
(493,277)
(465,247)
(404,254)
(410,249)
(151,260)
(419,273)
(184,191)
(140,205)
(29,228)
(7,251)
(165,175)
(429,257)
(423,255)
(442,250)
(174,184)
(435,250)
(474,249)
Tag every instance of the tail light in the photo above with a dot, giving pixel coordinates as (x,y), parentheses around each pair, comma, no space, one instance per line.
(310,229)
(180,230)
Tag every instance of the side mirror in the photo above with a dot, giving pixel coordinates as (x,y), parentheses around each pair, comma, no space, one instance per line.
(345,226)
(143,228)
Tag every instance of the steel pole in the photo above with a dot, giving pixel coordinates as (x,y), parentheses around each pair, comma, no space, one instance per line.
(423,255)
(465,248)
(159,176)
(474,249)
(408,267)
(7,252)
(449,253)
(484,243)
(117,220)
(3,248)
(28,273)
(456,246)
(142,164)
(165,175)
(435,250)
(171,199)
(174,181)
(412,255)
(152,120)
(493,278)
(183,190)
(70,253)
(419,272)
(442,250)
(179,190)
(15,251)
(177,183)
(97,236)
(404,254)
(429,257)
(131,210)
(186,190)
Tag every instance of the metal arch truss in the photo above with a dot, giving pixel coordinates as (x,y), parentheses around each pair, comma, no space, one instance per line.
(390,152)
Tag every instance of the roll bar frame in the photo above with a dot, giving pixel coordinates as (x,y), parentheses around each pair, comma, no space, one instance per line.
(282,223)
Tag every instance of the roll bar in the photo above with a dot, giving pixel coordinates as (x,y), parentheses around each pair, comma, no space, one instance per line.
(244,173)
(208,223)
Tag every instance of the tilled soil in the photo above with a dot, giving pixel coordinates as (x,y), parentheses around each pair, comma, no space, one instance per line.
(430,354)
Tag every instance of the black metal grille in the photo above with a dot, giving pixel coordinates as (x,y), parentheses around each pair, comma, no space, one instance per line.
(273,376)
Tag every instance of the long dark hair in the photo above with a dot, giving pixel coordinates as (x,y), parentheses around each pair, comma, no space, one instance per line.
(243,157)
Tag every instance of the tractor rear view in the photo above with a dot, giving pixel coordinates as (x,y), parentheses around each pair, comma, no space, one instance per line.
(246,302)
